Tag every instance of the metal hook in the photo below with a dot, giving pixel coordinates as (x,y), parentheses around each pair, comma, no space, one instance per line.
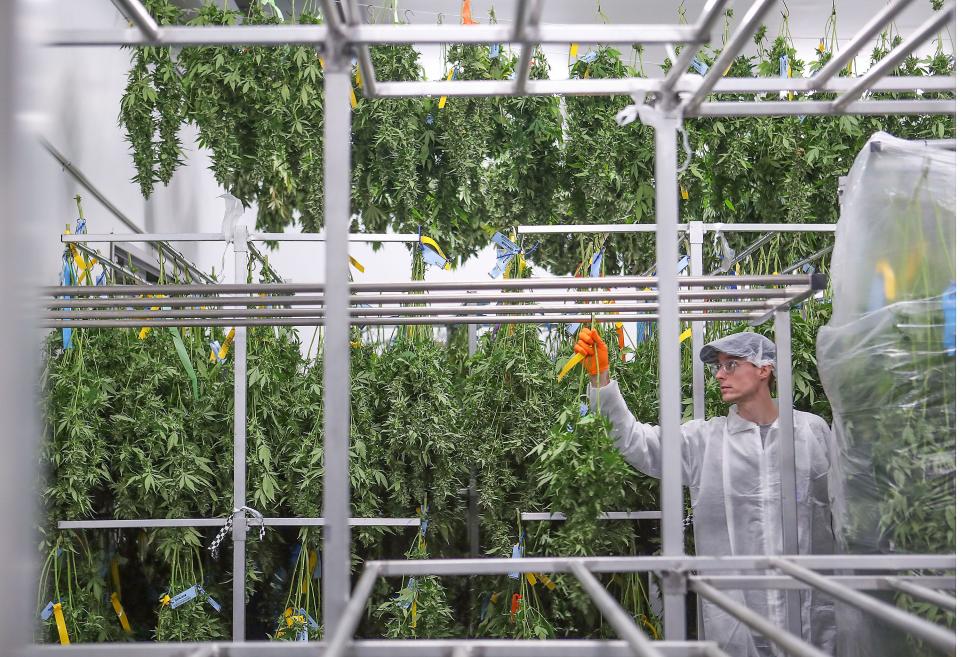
(371,18)
(407,14)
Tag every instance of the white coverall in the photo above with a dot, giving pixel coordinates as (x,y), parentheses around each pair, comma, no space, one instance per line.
(734,481)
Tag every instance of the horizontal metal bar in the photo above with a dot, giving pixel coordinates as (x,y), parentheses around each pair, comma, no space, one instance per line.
(218,237)
(608,515)
(792,644)
(552,283)
(859,582)
(217,522)
(628,86)
(939,637)
(910,587)
(407,311)
(208,35)
(622,623)
(381,648)
(477,88)
(433,297)
(263,35)
(397,321)
(484,566)
(652,228)
(823,108)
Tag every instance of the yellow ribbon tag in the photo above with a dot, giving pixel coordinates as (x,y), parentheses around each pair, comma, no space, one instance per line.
(684,194)
(121,614)
(443,99)
(145,331)
(413,615)
(353,99)
(356,264)
(225,347)
(686,335)
(574,49)
(573,362)
(359,79)
(889,280)
(531,579)
(61,625)
(165,600)
(356,344)
(546,581)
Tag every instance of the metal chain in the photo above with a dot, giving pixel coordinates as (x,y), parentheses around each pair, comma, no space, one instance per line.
(228,525)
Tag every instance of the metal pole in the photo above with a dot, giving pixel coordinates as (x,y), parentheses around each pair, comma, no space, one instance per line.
(21,197)
(923,593)
(336,336)
(788,468)
(241,257)
(792,644)
(666,122)
(696,269)
(621,621)
(839,59)
(353,612)
(895,56)
(939,637)
(743,34)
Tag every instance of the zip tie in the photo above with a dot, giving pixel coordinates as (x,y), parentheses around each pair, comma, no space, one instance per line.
(228,525)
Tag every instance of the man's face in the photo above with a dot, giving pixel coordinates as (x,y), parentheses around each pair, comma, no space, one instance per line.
(740,379)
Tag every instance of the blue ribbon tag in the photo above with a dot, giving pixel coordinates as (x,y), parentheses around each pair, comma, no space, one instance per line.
(584,409)
(412,587)
(81,226)
(67,279)
(784,66)
(184,596)
(213,603)
(699,66)
(295,553)
(494,50)
(589,57)
(644,331)
(949,302)
(423,526)
(215,350)
(318,569)
(430,119)
(517,554)
(311,623)
(484,606)
(303,636)
(572,329)
(431,257)
(808,269)
(506,249)
(596,263)
(47,611)
(682,264)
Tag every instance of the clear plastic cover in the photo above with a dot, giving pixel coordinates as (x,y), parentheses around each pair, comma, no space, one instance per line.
(887,361)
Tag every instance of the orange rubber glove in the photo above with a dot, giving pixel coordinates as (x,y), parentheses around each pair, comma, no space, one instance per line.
(594,350)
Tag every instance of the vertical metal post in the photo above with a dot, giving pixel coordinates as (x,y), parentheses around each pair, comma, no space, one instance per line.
(788,472)
(336,345)
(666,123)
(240,258)
(20,197)
(696,269)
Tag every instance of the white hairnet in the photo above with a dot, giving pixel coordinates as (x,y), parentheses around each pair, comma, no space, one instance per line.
(753,347)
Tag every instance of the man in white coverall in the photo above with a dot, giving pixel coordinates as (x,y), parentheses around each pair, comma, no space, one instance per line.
(732,467)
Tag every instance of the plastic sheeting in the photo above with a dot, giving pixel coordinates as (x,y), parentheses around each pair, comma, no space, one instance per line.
(887,361)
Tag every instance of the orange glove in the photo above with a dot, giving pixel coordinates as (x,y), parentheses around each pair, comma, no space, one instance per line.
(594,350)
